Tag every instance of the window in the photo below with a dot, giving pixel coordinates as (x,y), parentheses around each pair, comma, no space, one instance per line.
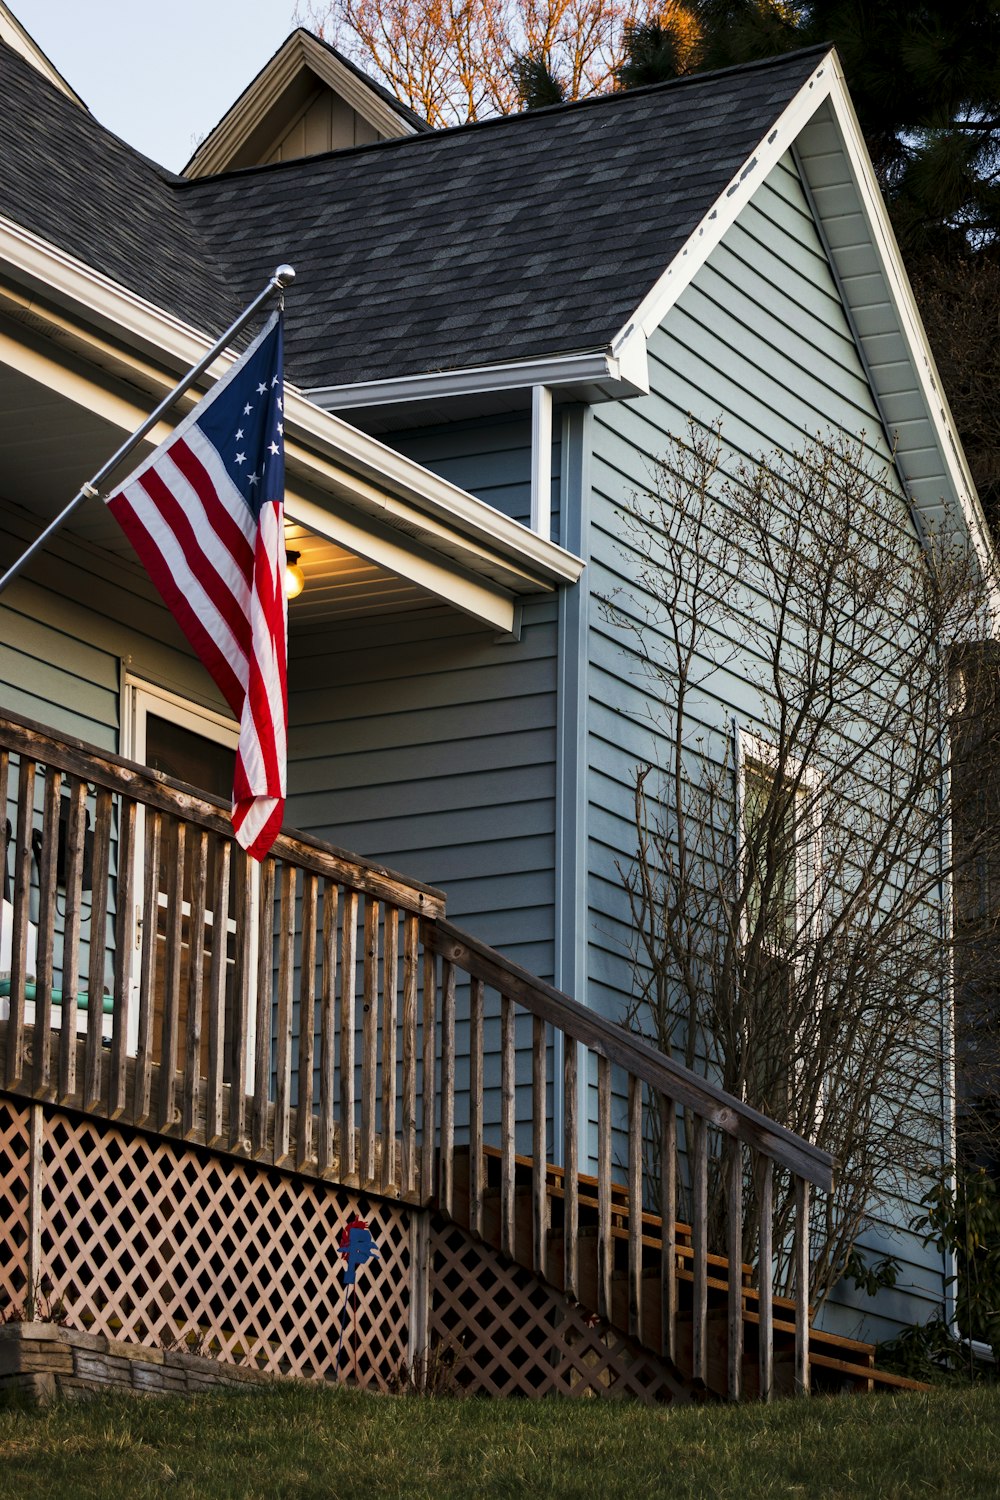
(779,838)
(779,854)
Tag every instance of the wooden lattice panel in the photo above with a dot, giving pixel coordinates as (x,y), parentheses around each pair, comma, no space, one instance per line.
(15,1150)
(509,1333)
(150,1240)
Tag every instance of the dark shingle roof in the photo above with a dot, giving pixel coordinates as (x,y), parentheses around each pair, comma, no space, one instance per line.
(518,237)
(75,184)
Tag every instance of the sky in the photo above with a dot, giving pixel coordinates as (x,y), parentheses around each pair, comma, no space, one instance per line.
(158,74)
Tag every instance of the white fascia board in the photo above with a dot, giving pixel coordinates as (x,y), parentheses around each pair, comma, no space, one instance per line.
(369,474)
(827,83)
(592,367)
(723,214)
(911,326)
(484,601)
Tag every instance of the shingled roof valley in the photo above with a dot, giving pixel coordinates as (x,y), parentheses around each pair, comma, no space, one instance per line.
(518,237)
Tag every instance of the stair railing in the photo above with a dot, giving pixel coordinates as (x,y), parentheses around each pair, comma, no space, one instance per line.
(752,1148)
(156,975)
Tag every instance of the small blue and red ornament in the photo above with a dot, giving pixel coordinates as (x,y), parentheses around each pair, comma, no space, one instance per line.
(357,1246)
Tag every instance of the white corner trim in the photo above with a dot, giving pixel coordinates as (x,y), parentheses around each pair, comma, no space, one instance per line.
(339,458)
(541,460)
(597,367)
(723,214)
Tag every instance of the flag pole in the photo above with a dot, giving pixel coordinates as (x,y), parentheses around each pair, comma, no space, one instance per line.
(282,277)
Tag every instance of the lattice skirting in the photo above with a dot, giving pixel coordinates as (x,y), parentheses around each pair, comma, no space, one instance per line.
(15,1188)
(502,1332)
(150,1240)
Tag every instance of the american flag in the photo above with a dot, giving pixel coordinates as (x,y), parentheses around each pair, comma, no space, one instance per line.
(205,514)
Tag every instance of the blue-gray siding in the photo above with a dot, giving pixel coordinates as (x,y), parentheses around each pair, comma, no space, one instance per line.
(760,341)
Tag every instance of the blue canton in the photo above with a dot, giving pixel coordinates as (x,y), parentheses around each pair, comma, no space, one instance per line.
(245,424)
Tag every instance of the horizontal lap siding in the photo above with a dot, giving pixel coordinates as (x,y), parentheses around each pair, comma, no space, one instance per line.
(430,745)
(68,626)
(759,340)
(489,458)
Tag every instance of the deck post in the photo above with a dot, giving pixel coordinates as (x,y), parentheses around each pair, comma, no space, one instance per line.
(420,1295)
(36,1129)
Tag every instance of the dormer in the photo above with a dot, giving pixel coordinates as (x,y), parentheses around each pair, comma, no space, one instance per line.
(308,99)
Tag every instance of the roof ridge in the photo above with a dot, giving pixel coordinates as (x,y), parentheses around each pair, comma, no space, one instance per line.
(520,116)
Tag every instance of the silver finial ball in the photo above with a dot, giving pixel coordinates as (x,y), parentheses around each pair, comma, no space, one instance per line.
(284,275)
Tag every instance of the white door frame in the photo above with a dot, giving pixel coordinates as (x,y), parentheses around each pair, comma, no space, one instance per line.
(139,698)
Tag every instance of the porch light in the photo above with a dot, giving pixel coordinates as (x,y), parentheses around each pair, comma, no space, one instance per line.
(295,579)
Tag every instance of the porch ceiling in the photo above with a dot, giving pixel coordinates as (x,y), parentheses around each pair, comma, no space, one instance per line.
(52,442)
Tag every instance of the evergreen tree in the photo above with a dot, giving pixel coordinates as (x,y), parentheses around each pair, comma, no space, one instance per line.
(537,85)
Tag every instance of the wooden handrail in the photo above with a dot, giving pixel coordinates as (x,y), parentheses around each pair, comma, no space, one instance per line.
(643,1061)
(154,789)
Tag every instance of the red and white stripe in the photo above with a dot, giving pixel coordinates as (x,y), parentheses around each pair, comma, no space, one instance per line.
(222,576)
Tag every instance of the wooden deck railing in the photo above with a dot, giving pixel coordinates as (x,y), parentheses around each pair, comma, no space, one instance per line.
(171,978)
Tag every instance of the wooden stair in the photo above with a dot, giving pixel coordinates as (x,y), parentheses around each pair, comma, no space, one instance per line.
(836,1363)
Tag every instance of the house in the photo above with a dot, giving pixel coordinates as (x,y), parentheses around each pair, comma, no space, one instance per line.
(492,333)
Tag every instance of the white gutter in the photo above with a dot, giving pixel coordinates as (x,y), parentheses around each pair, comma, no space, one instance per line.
(599,368)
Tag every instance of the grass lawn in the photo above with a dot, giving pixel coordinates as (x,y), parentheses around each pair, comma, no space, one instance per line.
(290,1441)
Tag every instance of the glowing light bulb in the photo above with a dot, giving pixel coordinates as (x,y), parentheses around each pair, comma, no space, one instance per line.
(295,579)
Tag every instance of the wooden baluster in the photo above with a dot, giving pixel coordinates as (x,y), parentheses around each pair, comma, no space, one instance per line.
(4,784)
(369,1042)
(476,1106)
(634,1207)
(46,929)
(124,953)
(196,982)
(429,1049)
(286,982)
(605,1249)
(243,875)
(75,849)
(259,1125)
(735,1255)
(217,992)
(765,1282)
(390,983)
(19,930)
(447,1153)
(172,982)
(539,1146)
(699,1247)
(801,1255)
(571,1150)
(411,939)
(668,1211)
(507,1142)
(100,871)
(141,1102)
(348,981)
(328,1029)
(307,1023)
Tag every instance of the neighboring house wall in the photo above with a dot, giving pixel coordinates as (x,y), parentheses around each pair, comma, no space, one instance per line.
(760,341)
